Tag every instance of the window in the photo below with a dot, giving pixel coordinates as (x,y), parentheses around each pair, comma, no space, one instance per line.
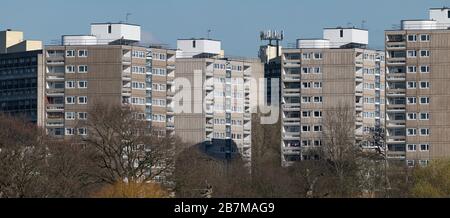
(70,69)
(82,100)
(424,163)
(82,69)
(82,84)
(70,100)
(424,132)
(424,37)
(70,131)
(424,69)
(342,33)
(318,56)
(412,53)
(159,102)
(194,44)
(306,56)
(424,116)
(306,99)
(317,85)
(306,85)
(70,53)
(138,85)
(317,114)
(424,147)
(412,100)
(306,128)
(306,114)
(411,85)
(82,53)
(70,84)
(412,147)
(317,128)
(159,87)
(159,71)
(411,132)
(424,85)
(160,118)
(424,53)
(82,131)
(138,70)
(138,101)
(82,116)
(318,99)
(306,70)
(70,115)
(317,70)
(412,38)
(410,163)
(109,29)
(424,100)
(412,69)
(412,116)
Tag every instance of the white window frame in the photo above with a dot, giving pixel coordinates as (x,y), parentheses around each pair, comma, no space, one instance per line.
(414,147)
(82,53)
(70,97)
(82,102)
(414,102)
(427,84)
(84,67)
(72,52)
(70,115)
(427,115)
(427,53)
(70,69)
(411,67)
(414,132)
(67,84)
(82,82)
(413,55)
(427,132)
(427,102)
(80,117)
(414,115)
(426,67)
(427,147)
(69,131)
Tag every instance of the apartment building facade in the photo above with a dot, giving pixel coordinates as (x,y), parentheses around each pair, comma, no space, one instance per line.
(219,116)
(417,56)
(107,67)
(321,75)
(21,65)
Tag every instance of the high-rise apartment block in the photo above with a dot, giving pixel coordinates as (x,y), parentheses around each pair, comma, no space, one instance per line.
(417,59)
(107,67)
(321,74)
(21,64)
(219,110)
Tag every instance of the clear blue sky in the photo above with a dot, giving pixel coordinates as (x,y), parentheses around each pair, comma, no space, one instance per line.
(236,22)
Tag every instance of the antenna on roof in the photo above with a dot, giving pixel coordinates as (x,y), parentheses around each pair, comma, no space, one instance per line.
(208,33)
(363,22)
(126,17)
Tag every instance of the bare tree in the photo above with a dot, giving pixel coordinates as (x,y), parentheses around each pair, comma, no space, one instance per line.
(339,147)
(22,159)
(126,148)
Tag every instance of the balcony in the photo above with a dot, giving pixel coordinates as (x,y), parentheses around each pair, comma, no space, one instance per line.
(55,92)
(395,46)
(291,78)
(55,108)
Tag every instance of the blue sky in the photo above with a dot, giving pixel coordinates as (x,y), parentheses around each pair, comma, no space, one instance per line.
(236,22)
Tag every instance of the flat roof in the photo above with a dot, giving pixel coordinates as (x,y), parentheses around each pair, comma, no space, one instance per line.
(345,28)
(201,39)
(115,23)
